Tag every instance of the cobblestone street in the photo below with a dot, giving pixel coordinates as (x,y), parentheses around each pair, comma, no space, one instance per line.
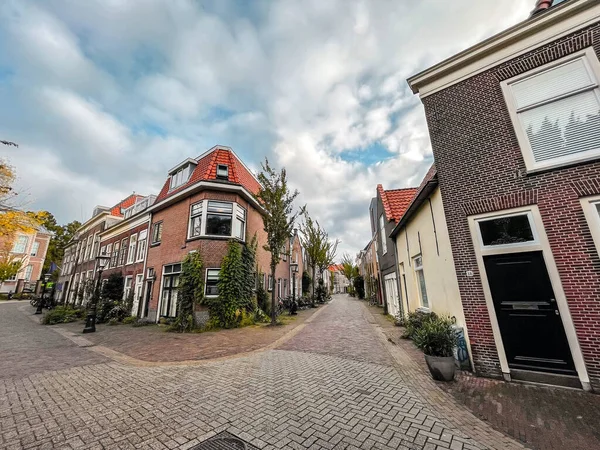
(333,384)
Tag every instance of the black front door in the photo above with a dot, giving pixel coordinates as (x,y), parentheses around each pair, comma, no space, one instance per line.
(528,316)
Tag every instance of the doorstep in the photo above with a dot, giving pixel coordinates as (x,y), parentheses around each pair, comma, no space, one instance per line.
(553,379)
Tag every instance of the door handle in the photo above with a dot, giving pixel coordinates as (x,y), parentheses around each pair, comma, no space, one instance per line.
(552,300)
(556,312)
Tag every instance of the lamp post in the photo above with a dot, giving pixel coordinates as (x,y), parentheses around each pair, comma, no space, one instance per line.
(294,267)
(90,321)
(42,301)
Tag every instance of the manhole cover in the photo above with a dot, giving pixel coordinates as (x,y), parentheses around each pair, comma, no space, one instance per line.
(224,441)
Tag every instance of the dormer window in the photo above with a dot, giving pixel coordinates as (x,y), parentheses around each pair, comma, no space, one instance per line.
(222,172)
(180,177)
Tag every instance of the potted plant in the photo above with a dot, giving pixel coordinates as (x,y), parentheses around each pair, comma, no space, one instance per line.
(437,339)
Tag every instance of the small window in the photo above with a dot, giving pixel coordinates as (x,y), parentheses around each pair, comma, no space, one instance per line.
(127,287)
(35,248)
(507,230)
(157,232)
(212,280)
(418,265)
(556,111)
(20,244)
(28,271)
(109,253)
(270,285)
(196,220)
(239,224)
(222,172)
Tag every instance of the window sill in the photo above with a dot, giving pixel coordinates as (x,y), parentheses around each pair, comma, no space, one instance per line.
(155,244)
(560,165)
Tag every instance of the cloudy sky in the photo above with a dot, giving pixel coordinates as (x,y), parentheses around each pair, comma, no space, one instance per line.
(105,96)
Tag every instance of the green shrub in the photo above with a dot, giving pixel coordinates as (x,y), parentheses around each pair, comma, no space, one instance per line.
(62,314)
(129,320)
(415,322)
(436,337)
(113,321)
(260,316)
(141,323)
(247,319)
(359,286)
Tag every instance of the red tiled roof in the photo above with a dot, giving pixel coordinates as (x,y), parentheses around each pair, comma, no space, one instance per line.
(396,201)
(336,268)
(206,169)
(123,204)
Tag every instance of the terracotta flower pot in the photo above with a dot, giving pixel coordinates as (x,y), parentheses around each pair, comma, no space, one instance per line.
(442,368)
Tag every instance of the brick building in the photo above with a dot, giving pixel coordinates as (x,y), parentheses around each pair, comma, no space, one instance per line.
(30,249)
(126,244)
(79,260)
(515,128)
(204,203)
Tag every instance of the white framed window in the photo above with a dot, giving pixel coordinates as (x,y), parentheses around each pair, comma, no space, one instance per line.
(555,110)
(506,230)
(270,285)
(217,218)
(420,275)
(102,250)
(123,253)
(132,247)
(114,257)
(157,232)
(95,245)
(382,234)
(109,253)
(35,248)
(127,287)
(20,245)
(591,209)
(181,176)
(142,240)
(196,220)
(212,281)
(88,249)
(169,290)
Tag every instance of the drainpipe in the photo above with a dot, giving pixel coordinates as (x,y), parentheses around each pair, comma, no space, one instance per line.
(144,283)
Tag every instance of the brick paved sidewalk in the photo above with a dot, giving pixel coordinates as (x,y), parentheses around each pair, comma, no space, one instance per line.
(152,343)
(544,418)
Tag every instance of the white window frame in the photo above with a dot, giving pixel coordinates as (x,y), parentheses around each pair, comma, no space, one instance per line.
(142,243)
(131,249)
(206,281)
(238,214)
(223,171)
(157,226)
(269,283)
(89,248)
(126,289)
(20,239)
(501,215)
(114,247)
(382,234)
(180,177)
(588,204)
(419,268)
(123,252)
(109,253)
(35,248)
(590,60)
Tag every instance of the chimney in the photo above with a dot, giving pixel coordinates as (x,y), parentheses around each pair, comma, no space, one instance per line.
(540,6)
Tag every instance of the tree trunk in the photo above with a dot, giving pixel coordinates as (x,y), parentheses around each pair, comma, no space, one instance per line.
(312,303)
(273,299)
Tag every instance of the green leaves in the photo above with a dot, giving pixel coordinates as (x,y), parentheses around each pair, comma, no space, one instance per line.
(190,292)
(436,337)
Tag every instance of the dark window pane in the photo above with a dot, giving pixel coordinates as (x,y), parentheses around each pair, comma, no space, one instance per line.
(217,225)
(506,230)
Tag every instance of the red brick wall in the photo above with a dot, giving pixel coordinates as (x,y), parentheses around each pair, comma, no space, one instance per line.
(127,269)
(174,245)
(481,169)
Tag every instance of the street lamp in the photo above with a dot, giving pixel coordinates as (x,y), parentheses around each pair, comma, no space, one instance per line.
(294,268)
(41,303)
(90,321)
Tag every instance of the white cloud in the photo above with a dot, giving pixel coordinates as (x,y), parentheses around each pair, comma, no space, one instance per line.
(107,95)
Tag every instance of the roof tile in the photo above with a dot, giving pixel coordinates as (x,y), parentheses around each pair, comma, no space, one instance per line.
(395,201)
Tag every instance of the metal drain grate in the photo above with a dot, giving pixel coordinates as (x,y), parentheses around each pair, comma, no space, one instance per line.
(224,441)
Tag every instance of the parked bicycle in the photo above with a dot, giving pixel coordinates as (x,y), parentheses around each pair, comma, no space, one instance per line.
(373,300)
